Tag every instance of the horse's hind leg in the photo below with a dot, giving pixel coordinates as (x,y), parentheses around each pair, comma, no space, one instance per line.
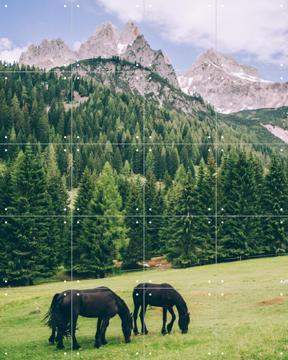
(170,325)
(98,340)
(60,335)
(142,316)
(52,337)
(163,331)
(135,315)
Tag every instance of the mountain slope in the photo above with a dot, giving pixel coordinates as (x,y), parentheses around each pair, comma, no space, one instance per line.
(125,76)
(231,87)
(260,126)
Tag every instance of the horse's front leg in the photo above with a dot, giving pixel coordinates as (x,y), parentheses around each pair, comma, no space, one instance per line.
(52,337)
(135,316)
(98,341)
(142,316)
(103,332)
(170,325)
(75,344)
(101,329)
(163,331)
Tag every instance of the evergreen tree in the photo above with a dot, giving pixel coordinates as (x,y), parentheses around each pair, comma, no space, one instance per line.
(275,203)
(31,246)
(135,251)
(185,246)
(103,232)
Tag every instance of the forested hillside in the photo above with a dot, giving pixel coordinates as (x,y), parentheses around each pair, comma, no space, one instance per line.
(149,181)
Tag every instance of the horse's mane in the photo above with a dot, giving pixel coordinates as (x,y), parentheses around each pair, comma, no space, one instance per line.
(181,306)
(123,308)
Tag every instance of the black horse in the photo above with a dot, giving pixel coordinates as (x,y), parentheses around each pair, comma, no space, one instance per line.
(161,295)
(101,303)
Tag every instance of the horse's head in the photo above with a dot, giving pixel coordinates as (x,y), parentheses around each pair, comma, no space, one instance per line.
(127,326)
(183,322)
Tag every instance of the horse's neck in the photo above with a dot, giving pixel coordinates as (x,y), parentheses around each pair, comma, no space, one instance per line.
(181,305)
(123,310)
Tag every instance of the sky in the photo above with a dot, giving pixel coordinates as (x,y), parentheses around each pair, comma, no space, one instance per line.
(254,32)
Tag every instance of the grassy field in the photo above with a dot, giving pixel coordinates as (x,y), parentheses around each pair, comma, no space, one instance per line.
(238,311)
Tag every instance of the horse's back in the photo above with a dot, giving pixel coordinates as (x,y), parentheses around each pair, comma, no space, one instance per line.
(154,294)
(147,286)
(90,302)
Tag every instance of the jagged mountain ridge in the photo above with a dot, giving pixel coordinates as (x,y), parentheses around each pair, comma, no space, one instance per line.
(231,87)
(217,78)
(106,42)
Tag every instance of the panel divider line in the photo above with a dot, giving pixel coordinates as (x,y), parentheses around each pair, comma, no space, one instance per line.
(71,186)
(216,195)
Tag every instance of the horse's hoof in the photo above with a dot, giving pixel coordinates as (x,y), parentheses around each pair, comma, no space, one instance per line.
(104,342)
(164,332)
(76,347)
(51,342)
(97,346)
(136,333)
(60,347)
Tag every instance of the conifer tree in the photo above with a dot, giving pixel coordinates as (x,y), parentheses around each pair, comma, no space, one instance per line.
(185,246)
(103,232)
(135,251)
(275,205)
(32,245)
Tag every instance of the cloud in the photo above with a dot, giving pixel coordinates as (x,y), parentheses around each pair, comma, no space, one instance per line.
(5,44)
(8,52)
(255,27)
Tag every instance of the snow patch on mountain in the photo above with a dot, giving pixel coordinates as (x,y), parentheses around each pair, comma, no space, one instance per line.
(277,131)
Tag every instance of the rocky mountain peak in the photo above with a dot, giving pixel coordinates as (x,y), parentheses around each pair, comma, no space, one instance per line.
(106,42)
(216,59)
(102,43)
(230,86)
(141,52)
(49,54)
(128,35)
(107,30)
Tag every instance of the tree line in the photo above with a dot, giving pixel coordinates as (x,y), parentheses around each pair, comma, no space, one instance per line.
(128,216)
(136,180)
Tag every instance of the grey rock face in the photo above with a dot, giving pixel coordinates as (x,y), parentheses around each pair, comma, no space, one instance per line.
(141,52)
(231,87)
(125,77)
(103,43)
(49,54)
(127,37)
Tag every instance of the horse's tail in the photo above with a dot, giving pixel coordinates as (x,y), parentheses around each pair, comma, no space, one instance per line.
(50,319)
(54,318)
(138,293)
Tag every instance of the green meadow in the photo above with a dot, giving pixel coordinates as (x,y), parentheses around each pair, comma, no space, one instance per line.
(238,310)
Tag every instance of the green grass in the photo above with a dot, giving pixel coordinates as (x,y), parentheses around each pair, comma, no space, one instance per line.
(245,316)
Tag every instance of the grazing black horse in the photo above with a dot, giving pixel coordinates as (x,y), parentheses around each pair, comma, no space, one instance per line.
(162,295)
(101,303)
